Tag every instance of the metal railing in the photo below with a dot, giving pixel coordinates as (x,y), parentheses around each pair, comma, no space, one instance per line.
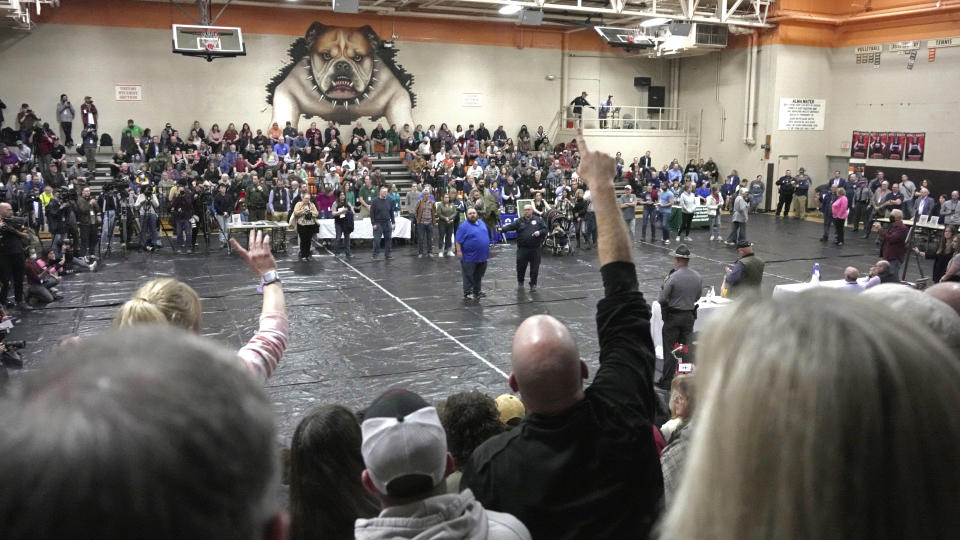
(627,117)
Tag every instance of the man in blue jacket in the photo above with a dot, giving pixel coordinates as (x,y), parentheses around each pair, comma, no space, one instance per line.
(473,250)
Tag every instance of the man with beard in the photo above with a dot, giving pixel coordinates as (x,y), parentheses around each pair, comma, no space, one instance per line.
(473,250)
(511,193)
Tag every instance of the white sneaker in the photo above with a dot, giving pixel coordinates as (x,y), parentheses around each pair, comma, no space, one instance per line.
(688,239)
(712,238)
(678,239)
(443,253)
(666,242)
(451,253)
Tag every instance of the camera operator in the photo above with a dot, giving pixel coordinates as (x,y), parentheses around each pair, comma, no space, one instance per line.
(12,258)
(87,213)
(68,196)
(147,207)
(90,143)
(56,220)
(202,200)
(181,208)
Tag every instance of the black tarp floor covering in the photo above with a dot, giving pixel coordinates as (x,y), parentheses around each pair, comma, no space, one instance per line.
(350,340)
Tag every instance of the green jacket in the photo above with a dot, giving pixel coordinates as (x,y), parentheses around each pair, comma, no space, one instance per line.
(447,210)
(257,198)
(751,278)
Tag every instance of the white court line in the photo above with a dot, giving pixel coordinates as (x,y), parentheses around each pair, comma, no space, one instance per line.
(424,319)
(665,248)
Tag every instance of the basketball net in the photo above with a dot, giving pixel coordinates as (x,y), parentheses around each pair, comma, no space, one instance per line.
(209,41)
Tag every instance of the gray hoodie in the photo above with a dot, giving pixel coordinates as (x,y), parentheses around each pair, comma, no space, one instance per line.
(442,517)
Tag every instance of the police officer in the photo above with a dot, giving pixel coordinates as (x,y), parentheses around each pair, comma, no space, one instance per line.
(531,230)
(678,306)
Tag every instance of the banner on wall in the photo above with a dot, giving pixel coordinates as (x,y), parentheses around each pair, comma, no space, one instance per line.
(915,145)
(798,114)
(128,92)
(893,145)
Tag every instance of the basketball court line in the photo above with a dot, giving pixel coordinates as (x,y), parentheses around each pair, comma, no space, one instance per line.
(424,319)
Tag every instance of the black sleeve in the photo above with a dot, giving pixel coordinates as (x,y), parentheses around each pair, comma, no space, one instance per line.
(625,376)
(513,225)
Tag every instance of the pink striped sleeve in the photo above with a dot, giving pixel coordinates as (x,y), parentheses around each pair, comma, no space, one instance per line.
(261,355)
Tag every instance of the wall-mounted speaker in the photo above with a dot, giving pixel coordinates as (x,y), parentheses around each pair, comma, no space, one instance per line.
(656,96)
(531,17)
(346,6)
(641,81)
(680,28)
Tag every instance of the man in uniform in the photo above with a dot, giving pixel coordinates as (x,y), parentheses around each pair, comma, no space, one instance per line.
(531,230)
(678,306)
(491,208)
(256,201)
(746,274)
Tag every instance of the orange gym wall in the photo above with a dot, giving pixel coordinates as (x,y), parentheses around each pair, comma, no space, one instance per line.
(841,27)
(294,22)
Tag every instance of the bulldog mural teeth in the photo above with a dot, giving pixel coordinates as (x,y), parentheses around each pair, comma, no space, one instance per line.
(341,74)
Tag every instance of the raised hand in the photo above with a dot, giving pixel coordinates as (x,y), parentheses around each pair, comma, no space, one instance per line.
(596,168)
(258,256)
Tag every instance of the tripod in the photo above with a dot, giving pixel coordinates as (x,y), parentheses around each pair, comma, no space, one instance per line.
(912,255)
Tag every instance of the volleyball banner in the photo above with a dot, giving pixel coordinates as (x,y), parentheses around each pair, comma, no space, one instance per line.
(893,145)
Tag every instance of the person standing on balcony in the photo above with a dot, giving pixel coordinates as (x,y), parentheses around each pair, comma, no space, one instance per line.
(578,104)
(605,108)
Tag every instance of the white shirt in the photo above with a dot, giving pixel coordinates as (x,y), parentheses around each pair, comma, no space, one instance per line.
(348,165)
(688,202)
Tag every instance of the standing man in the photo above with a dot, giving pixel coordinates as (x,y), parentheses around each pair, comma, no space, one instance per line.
(739,217)
(65,115)
(878,207)
(12,256)
(628,206)
(788,185)
(223,206)
(90,143)
(665,203)
(574,441)
(473,250)
(88,112)
(367,195)
(87,222)
(579,103)
(678,306)
(649,214)
(756,190)
(278,204)
(382,219)
(256,200)
(861,201)
(605,111)
(182,210)
(908,189)
(425,218)
(826,195)
(924,204)
(491,208)
(531,230)
(746,275)
(109,205)
(147,205)
(893,239)
(800,197)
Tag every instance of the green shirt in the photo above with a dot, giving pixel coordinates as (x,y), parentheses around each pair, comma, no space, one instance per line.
(134,130)
(367,194)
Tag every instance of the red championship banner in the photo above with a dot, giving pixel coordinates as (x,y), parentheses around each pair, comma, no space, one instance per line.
(858,146)
(876,146)
(895,145)
(914,145)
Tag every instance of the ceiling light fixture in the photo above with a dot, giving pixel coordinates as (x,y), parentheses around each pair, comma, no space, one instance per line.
(510,9)
(656,21)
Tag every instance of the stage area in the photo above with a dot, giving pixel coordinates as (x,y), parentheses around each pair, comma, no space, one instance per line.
(360,328)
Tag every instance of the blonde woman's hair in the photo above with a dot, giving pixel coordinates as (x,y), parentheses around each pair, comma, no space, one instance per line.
(162,301)
(841,192)
(683,385)
(816,424)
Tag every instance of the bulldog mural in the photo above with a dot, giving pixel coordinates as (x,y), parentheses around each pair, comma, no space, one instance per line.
(341,74)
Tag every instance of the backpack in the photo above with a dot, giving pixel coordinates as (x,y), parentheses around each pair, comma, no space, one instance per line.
(106,140)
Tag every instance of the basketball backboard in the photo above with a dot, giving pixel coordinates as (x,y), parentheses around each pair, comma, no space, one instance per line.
(208,41)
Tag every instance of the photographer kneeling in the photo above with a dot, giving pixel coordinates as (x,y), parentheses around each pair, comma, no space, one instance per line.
(147,205)
(41,283)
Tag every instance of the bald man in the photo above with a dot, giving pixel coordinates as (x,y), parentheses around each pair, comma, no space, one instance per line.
(583,464)
(12,256)
(948,293)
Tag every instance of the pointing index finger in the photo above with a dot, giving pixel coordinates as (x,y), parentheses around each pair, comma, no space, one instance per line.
(581,144)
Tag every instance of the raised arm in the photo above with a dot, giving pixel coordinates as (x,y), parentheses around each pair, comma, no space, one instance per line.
(598,170)
(262,353)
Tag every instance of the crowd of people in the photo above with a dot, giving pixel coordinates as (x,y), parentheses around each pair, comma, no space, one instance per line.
(152,431)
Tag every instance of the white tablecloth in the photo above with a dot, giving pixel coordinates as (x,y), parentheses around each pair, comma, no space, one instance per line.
(362,228)
(708,307)
(793,288)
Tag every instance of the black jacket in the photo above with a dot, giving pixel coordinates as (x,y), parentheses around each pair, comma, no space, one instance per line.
(380,211)
(224,204)
(525,229)
(593,470)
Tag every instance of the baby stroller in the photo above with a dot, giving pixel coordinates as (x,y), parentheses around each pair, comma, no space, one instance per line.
(559,229)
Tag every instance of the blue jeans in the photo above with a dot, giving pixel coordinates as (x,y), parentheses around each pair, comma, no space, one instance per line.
(649,216)
(382,230)
(148,230)
(665,224)
(341,239)
(715,225)
(424,238)
(106,234)
(631,227)
(184,230)
(590,227)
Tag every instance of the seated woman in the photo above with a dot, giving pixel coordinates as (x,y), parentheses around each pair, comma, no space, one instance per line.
(170,301)
(842,447)
(41,284)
